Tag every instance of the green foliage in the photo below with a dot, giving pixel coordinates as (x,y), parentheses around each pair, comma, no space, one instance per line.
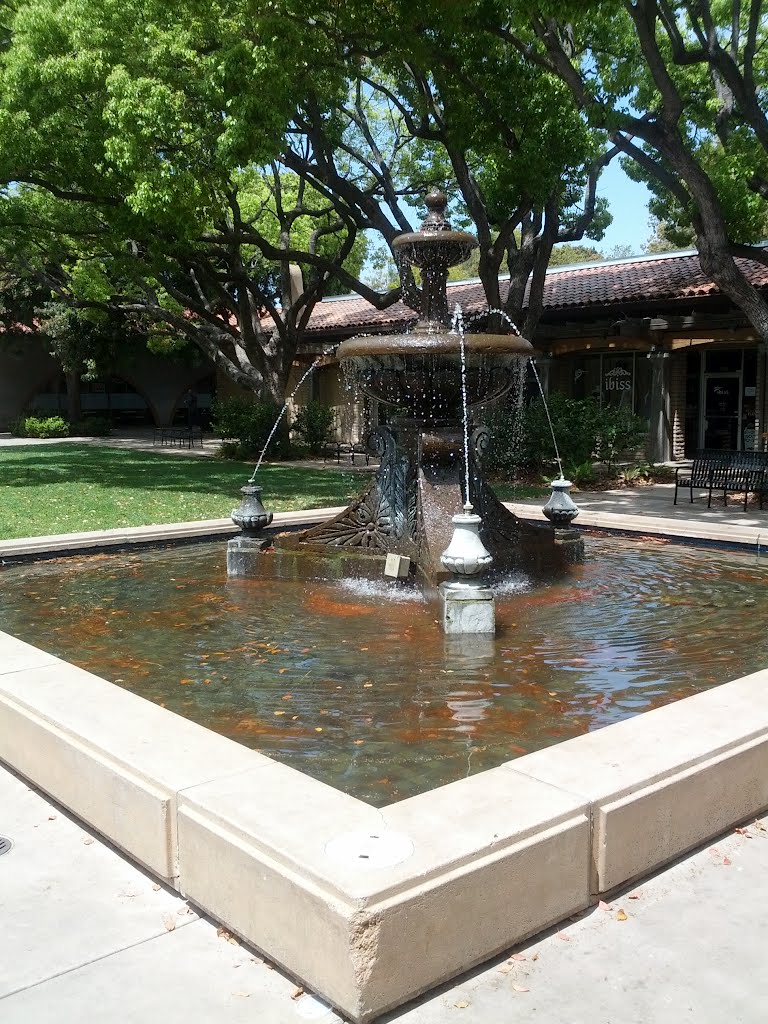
(522,442)
(618,431)
(646,472)
(91,426)
(33,426)
(314,425)
(563,255)
(583,475)
(244,424)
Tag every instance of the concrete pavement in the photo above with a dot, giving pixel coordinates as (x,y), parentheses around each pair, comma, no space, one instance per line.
(87,935)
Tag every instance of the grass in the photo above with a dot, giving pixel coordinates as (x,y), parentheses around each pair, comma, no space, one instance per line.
(68,488)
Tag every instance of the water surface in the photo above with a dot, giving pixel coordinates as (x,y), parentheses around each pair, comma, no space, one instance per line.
(358,687)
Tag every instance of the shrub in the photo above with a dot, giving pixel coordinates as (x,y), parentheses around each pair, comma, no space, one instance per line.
(522,441)
(618,431)
(246,424)
(91,426)
(33,426)
(314,425)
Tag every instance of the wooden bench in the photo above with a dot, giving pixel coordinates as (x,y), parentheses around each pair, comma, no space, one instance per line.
(725,471)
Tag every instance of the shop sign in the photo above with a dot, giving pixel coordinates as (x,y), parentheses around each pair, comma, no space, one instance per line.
(617,379)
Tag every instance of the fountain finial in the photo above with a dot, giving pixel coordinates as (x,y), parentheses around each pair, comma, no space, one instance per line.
(436,202)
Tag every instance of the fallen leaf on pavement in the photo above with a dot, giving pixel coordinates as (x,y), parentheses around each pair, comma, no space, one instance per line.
(157,887)
(88,841)
(621,916)
(461,1005)
(298,993)
(634,896)
(726,861)
(535,956)
(605,906)
(518,956)
(169,922)
(565,938)
(520,988)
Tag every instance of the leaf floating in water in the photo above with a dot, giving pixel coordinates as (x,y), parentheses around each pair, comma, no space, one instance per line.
(281,670)
(367,685)
(185,682)
(358,742)
(318,728)
(278,712)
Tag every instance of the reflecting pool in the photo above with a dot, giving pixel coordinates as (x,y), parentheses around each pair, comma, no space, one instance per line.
(354,683)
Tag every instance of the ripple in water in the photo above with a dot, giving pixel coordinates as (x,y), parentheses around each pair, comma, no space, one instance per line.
(382,589)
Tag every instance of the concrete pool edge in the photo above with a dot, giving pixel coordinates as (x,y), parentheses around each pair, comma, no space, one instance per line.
(372,907)
(686,531)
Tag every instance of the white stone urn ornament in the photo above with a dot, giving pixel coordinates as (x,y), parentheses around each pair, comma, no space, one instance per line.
(466,554)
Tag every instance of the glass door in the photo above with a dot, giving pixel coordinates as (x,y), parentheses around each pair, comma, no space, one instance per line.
(721,410)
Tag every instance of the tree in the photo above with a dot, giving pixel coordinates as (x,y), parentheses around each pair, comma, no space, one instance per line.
(678,86)
(438,79)
(140,147)
(665,238)
(173,162)
(565,255)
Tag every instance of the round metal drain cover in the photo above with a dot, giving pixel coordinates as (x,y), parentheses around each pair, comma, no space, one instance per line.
(5,845)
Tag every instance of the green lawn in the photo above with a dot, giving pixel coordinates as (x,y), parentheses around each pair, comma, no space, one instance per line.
(66,488)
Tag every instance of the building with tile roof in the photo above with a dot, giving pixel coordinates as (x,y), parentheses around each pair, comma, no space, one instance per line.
(649,333)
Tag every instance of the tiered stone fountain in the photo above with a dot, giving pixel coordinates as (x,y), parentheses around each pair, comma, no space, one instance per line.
(422,479)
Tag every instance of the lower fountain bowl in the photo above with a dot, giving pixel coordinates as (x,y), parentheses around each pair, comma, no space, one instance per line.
(421,372)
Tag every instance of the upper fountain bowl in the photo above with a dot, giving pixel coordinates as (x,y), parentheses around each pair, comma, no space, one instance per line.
(421,371)
(436,244)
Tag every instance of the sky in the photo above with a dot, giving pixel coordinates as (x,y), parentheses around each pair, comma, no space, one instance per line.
(629,206)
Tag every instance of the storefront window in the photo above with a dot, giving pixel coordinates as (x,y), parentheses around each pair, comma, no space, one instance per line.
(617,381)
(620,380)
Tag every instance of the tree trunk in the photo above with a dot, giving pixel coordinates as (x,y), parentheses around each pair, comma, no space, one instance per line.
(74,404)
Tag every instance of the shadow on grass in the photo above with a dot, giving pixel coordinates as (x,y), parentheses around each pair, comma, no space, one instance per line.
(138,470)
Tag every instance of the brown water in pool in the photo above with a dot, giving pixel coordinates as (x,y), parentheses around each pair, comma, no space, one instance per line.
(353,682)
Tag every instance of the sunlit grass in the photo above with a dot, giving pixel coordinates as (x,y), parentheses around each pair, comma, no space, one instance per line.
(68,488)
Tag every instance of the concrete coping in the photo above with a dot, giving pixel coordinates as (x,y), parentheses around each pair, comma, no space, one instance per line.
(371,907)
(135,536)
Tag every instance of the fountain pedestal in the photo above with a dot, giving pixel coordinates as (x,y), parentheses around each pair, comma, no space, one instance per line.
(467,608)
(468,605)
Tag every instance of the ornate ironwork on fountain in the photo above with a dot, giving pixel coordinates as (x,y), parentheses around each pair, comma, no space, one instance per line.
(250,515)
(560,510)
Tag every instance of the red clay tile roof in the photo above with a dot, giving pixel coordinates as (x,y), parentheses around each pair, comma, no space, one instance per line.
(581,287)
